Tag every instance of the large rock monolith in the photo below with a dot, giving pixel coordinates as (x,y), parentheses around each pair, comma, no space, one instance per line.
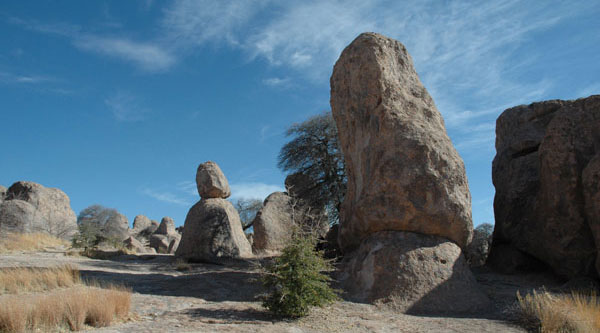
(52,208)
(545,173)
(403,171)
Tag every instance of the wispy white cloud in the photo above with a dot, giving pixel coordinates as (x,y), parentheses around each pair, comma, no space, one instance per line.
(188,187)
(166,197)
(147,56)
(254,190)
(25,78)
(126,107)
(277,82)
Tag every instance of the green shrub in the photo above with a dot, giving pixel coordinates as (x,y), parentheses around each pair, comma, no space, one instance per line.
(295,281)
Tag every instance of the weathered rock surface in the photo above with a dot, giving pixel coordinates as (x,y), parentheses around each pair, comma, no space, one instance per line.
(591,191)
(116,227)
(211,181)
(276,221)
(543,186)
(53,208)
(160,243)
(166,227)
(143,226)
(18,216)
(212,231)
(134,245)
(2,193)
(403,171)
(412,273)
(173,245)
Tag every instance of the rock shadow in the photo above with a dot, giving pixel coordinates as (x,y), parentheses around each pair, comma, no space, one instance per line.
(233,316)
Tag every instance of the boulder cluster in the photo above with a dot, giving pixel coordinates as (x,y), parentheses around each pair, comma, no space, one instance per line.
(27,207)
(149,236)
(407,210)
(547,178)
(212,230)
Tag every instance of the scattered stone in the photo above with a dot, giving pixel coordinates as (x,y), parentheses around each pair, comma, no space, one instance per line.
(403,171)
(211,181)
(52,209)
(412,273)
(213,231)
(160,243)
(545,174)
(166,227)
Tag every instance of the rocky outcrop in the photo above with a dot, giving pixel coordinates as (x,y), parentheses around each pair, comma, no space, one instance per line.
(403,171)
(143,226)
(413,273)
(213,231)
(134,245)
(280,216)
(544,174)
(2,193)
(173,245)
(166,227)
(211,181)
(18,216)
(160,243)
(53,213)
(212,228)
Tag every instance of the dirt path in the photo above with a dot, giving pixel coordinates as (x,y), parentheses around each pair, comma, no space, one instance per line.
(213,298)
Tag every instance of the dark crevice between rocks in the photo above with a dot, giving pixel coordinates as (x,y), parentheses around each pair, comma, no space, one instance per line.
(526,151)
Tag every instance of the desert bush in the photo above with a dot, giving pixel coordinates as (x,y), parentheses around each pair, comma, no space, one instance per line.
(574,312)
(29,242)
(296,280)
(182,265)
(25,279)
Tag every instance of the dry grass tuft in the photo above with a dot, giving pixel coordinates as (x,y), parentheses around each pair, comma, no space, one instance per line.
(71,308)
(25,279)
(29,242)
(573,312)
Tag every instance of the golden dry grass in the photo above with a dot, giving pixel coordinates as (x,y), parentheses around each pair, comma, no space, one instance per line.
(29,242)
(26,279)
(71,308)
(573,312)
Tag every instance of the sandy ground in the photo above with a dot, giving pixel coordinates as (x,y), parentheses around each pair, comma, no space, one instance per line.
(214,298)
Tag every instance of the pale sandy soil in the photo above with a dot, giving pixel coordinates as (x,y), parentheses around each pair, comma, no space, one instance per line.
(212,298)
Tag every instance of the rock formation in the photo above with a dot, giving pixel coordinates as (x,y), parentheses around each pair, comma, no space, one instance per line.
(143,226)
(2,193)
(116,227)
(134,245)
(212,228)
(276,221)
(160,243)
(407,210)
(545,173)
(403,171)
(211,181)
(166,227)
(52,210)
(414,273)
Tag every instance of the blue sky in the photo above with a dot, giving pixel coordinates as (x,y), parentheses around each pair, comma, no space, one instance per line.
(117,102)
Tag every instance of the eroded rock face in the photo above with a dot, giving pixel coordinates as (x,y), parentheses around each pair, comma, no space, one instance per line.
(18,216)
(160,243)
(166,227)
(53,208)
(277,220)
(544,179)
(211,181)
(403,171)
(212,231)
(134,245)
(591,191)
(412,273)
(143,225)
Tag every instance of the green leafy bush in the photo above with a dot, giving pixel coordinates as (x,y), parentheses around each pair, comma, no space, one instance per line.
(296,280)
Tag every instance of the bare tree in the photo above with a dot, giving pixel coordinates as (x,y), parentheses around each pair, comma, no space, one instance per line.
(247,208)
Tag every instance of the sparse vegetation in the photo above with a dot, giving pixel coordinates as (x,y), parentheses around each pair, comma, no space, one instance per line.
(66,303)
(574,312)
(296,280)
(29,242)
(182,265)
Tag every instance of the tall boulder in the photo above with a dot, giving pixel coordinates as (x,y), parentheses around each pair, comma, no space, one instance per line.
(213,231)
(52,208)
(403,171)
(166,227)
(546,191)
(211,181)
(144,226)
(212,228)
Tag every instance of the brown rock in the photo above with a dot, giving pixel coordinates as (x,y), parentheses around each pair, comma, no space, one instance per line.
(542,151)
(403,171)
(134,245)
(166,227)
(52,206)
(212,230)
(160,243)
(412,273)
(211,181)
(591,190)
